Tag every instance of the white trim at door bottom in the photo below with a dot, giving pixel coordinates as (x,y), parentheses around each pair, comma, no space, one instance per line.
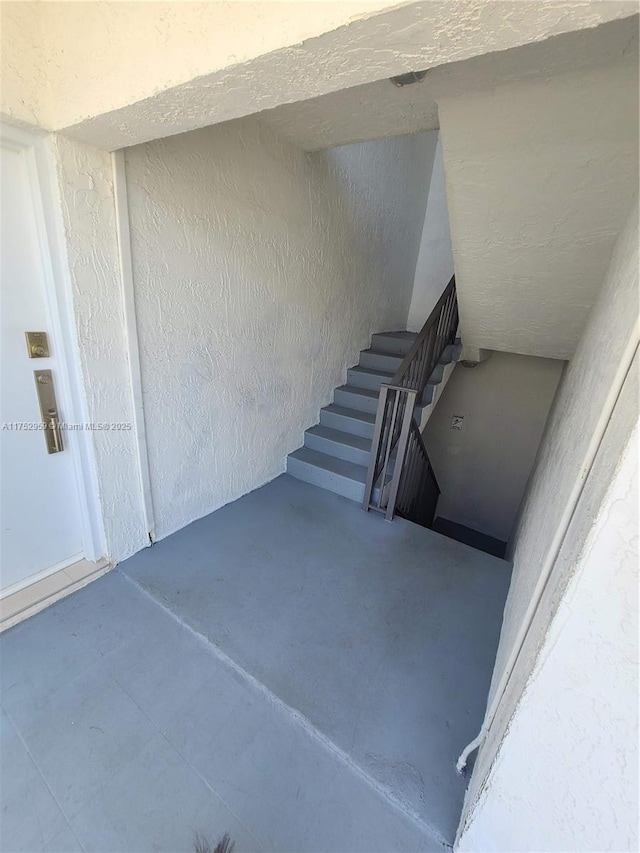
(31,599)
(25,582)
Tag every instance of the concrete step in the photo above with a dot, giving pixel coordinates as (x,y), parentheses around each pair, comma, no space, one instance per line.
(398,343)
(362,399)
(377,360)
(364,377)
(437,373)
(342,445)
(429,390)
(377,363)
(348,420)
(337,451)
(336,475)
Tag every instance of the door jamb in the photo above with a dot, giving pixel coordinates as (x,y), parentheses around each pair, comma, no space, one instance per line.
(36,147)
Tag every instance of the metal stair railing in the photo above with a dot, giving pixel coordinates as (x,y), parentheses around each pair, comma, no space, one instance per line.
(400,476)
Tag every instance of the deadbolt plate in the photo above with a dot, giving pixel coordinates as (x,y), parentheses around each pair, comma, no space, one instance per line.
(37,344)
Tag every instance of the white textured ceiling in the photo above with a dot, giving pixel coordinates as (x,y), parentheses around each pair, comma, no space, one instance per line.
(360,114)
(541,175)
(381,109)
(412,36)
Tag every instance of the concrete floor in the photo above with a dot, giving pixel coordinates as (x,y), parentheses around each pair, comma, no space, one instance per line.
(289,669)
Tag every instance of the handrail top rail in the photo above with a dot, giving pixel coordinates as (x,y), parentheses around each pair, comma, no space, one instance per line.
(392,387)
(412,486)
(404,366)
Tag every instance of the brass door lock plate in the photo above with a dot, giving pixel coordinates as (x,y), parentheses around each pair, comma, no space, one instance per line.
(37,344)
(48,410)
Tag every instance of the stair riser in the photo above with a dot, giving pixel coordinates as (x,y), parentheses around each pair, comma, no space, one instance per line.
(350,425)
(336,449)
(325,479)
(377,361)
(365,380)
(449,354)
(438,372)
(390,363)
(373,383)
(452,352)
(427,397)
(398,346)
(355,401)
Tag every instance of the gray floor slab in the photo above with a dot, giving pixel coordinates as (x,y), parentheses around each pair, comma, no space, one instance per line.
(382,635)
(20,782)
(147,736)
(290,669)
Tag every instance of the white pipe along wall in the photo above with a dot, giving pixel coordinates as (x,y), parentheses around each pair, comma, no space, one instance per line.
(588,398)
(260,272)
(565,776)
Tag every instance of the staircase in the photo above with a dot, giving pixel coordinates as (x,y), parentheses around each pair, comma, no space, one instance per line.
(336,452)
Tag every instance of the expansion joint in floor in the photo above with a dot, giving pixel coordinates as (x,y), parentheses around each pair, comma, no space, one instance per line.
(294,714)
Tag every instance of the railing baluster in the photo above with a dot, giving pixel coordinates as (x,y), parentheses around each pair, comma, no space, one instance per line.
(378,429)
(402,447)
(413,488)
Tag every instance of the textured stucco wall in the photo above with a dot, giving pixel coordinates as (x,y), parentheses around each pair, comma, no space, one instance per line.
(483,469)
(123,73)
(565,777)
(22,65)
(260,272)
(434,267)
(85,186)
(577,406)
(540,176)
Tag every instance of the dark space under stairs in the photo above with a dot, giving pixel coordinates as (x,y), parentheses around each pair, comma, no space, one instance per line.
(335,455)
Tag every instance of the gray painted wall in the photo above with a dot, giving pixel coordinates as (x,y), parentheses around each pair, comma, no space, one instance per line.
(484,467)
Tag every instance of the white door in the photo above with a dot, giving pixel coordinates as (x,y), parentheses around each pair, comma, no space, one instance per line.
(40,515)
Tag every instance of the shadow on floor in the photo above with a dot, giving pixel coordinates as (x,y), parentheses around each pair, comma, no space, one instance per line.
(470,537)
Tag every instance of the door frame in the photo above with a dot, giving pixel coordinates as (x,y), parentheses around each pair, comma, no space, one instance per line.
(45,199)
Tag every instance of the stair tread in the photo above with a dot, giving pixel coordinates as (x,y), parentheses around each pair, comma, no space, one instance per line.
(344,432)
(400,334)
(331,463)
(341,437)
(372,371)
(373,351)
(350,413)
(363,392)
